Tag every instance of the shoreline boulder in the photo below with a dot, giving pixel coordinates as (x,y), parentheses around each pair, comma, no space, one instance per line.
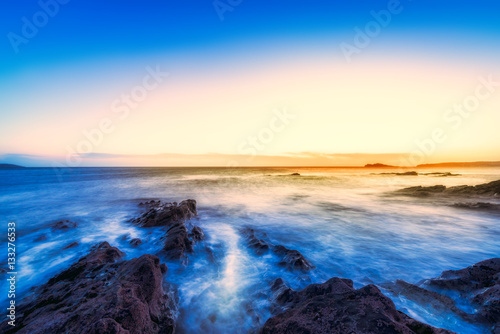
(100,293)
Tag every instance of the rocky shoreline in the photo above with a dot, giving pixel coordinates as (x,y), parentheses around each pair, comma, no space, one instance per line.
(103,293)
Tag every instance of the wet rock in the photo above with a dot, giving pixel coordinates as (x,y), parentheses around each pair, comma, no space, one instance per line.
(412,173)
(439,303)
(477,206)
(469,280)
(135,242)
(441,174)
(43,237)
(420,191)
(197,234)
(487,189)
(289,258)
(100,293)
(478,285)
(71,245)
(292,259)
(335,307)
(177,242)
(159,214)
(63,225)
(259,245)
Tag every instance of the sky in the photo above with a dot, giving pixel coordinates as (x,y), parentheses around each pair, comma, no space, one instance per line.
(242,83)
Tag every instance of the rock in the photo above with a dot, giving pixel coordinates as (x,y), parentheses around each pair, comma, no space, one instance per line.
(469,280)
(289,258)
(412,173)
(335,307)
(260,246)
(43,237)
(292,259)
(420,191)
(477,206)
(166,214)
(100,293)
(197,234)
(135,242)
(295,174)
(432,299)
(71,245)
(177,240)
(487,189)
(478,284)
(63,225)
(441,174)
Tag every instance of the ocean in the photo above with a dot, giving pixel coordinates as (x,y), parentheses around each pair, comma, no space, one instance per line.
(345,221)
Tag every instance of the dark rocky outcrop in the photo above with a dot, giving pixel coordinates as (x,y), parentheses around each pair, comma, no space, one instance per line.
(100,293)
(480,285)
(477,285)
(63,225)
(335,307)
(72,244)
(178,239)
(437,302)
(483,206)
(197,234)
(412,173)
(290,258)
(166,214)
(487,189)
(135,242)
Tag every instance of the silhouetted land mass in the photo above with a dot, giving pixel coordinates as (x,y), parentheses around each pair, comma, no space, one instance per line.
(10,166)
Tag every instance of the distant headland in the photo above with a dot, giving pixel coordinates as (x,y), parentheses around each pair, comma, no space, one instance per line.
(10,166)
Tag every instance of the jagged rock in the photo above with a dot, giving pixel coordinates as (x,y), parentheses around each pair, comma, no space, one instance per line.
(480,284)
(43,237)
(177,240)
(290,258)
(487,189)
(63,225)
(421,191)
(477,206)
(100,293)
(197,234)
(159,214)
(260,246)
(335,307)
(135,242)
(432,299)
(412,173)
(71,245)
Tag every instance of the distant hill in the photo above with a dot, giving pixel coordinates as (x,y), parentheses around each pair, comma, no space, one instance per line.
(10,166)
(377,165)
(463,164)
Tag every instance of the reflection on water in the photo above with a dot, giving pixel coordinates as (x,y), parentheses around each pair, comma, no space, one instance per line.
(341,220)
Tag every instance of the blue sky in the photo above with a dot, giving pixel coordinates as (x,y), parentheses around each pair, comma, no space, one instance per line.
(91,51)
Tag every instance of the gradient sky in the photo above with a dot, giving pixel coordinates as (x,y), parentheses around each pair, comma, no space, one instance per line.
(229,78)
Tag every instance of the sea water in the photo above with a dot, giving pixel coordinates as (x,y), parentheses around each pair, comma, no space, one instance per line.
(345,221)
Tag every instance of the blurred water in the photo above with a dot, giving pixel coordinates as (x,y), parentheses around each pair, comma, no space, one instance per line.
(342,220)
